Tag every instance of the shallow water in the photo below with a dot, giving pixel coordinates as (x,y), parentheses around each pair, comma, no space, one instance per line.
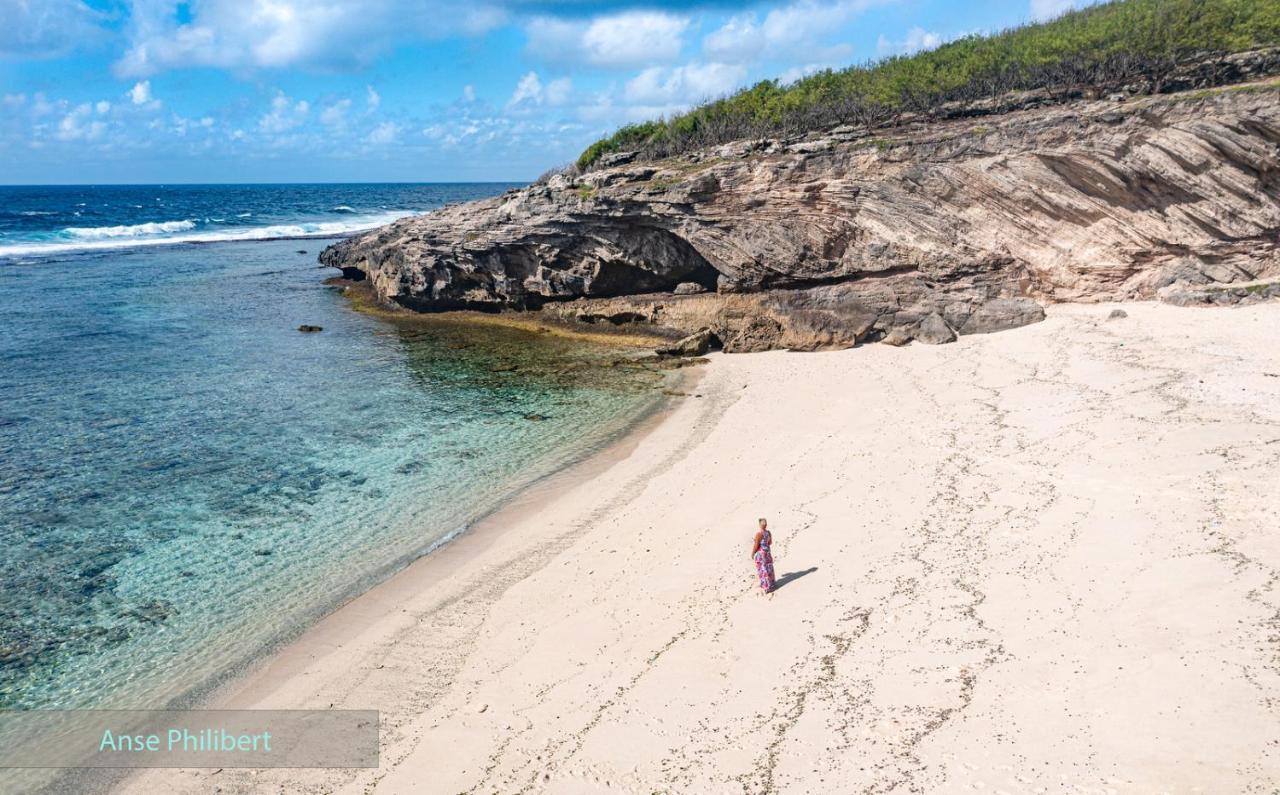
(186,479)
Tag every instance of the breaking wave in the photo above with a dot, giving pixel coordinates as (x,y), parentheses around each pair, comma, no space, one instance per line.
(133,230)
(86,239)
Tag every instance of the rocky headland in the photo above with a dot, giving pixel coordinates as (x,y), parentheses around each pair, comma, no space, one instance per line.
(923,231)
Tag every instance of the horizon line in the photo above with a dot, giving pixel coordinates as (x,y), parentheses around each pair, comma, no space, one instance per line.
(207,184)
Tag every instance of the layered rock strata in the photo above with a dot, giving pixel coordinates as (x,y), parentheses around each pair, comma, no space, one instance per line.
(952,227)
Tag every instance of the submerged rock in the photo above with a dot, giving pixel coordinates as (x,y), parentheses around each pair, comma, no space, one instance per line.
(310,329)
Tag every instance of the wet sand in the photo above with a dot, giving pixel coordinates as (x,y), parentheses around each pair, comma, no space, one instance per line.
(1043,560)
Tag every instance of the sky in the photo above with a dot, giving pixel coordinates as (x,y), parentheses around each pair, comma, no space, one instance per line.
(154,91)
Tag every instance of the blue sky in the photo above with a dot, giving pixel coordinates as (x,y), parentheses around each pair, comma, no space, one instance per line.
(389,90)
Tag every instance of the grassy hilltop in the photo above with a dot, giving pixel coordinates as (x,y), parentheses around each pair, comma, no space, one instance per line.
(1102,45)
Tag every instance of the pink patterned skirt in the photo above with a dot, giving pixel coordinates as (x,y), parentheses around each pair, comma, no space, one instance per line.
(764,567)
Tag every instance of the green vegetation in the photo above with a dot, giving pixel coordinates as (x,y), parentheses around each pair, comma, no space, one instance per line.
(586,192)
(1102,46)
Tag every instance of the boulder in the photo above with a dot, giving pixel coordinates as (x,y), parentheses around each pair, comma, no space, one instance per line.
(689,288)
(933,330)
(696,344)
(1001,314)
(759,333)
(897,337)
(824,329)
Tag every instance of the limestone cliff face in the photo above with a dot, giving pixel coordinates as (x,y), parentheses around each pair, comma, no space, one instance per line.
(951,227)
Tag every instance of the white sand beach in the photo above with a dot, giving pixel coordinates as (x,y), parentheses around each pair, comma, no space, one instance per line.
(1044,560)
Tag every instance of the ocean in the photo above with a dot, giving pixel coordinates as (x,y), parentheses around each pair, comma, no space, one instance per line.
(45,221)
(186,480)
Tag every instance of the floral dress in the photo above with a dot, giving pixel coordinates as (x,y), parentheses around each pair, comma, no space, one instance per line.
(764,561)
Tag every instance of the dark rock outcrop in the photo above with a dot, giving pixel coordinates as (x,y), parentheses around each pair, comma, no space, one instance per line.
(1220,294)
(955,227)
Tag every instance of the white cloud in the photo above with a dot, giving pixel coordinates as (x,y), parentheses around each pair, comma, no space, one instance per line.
(633,38)
(76,125)
(384,133)
(102,107)
(336,114)
(14,100)
(528,91)
(265,34)
(46,28)
(797,30)
(40,105)
(371,98)
(799,72)
(554,39)
(917,39)
(558,90)
(284,115)
(1042,10)
(531,93)
(666,87)
(141,92)
(615,41)
(468,93)
(740,37)
(477,132)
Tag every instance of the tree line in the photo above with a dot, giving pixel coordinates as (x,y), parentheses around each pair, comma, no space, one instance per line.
(1102,46)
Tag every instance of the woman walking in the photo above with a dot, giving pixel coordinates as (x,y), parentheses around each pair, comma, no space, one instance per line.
(763,557)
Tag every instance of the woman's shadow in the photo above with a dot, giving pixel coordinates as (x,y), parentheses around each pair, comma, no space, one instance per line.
(791,577)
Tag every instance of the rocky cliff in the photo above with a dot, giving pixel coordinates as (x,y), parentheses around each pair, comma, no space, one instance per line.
(923,232)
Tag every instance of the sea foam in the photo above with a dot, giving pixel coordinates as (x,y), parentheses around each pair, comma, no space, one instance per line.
(87,239)
(132,230)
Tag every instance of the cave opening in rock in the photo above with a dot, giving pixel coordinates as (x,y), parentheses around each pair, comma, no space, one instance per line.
(649,261)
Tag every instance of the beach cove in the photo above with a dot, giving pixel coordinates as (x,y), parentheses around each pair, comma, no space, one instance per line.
(188,479)
(1034,561)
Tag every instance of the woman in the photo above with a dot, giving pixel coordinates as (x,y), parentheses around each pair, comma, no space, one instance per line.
(763,557)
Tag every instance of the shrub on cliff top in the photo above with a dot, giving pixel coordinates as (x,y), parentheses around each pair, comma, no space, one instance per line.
(1102,45)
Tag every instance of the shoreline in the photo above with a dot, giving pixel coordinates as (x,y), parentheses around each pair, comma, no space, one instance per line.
(193,686)
(65,250)
(343,623)
(363,300)
(453,550)
(1029,560)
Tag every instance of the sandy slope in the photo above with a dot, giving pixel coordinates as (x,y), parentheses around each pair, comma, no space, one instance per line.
(1044,560)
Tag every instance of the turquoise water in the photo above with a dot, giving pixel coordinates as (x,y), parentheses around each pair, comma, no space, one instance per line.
(186,479)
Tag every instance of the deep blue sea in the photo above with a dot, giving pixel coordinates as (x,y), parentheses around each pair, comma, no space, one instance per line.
(186,479)
(53,220)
